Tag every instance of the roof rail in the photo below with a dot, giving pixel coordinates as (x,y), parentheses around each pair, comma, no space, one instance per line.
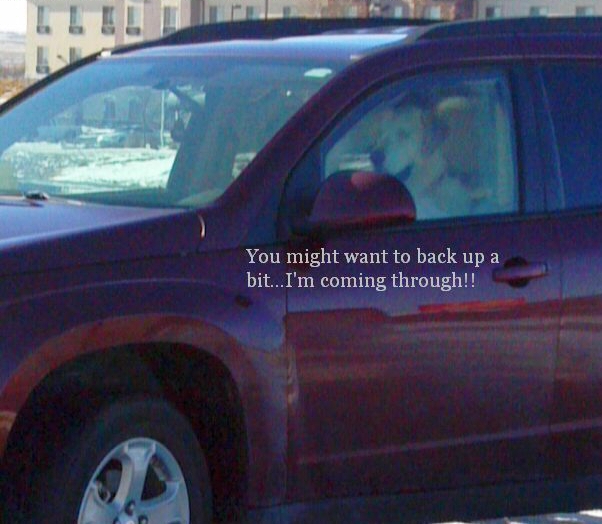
(513,26)
(269,29)
(281,27)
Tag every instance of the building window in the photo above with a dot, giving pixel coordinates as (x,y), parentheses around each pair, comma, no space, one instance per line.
(108,15)
(216,14)
(170,20)
(75,15)
(75,54)
(398,11)
(584,10)
(433,12)
(133,21)
(351,11)
(42,61)
(108,20)
(493,11)
(43,26)
(287,11)
(538,11)
(76,26)
(250,13)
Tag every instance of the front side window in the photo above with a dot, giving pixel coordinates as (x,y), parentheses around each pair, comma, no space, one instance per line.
(576,108)
(449,139)
(151,131)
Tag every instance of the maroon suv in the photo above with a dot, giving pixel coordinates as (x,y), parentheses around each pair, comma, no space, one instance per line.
(346,276)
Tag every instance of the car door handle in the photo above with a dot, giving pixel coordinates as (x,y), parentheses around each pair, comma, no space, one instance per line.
(517,272)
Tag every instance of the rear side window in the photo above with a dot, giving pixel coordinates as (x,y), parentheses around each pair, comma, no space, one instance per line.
(574,94)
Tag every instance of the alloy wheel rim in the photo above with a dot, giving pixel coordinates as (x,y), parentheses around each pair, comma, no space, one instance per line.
(138,482)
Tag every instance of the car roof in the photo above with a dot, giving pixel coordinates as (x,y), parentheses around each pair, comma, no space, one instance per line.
(343,39)
(541,25)
(340,47)
(327,38)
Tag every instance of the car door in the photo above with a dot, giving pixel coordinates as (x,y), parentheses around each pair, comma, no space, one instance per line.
(428,362)
(571,93)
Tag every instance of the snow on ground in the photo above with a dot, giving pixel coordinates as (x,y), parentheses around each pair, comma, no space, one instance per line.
(134,171)
(74,168)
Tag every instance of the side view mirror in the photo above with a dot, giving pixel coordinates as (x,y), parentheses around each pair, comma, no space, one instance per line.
(359,200)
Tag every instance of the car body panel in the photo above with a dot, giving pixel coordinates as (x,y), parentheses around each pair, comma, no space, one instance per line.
(197,301)
(576,424)
(54,235)
(577,415)
(447,389)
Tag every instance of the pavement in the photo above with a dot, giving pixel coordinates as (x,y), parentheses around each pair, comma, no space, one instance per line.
(583,517)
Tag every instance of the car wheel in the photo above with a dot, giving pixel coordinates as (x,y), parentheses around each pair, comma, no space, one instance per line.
(132,462)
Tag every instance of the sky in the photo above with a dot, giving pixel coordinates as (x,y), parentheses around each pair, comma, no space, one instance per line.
(13,15)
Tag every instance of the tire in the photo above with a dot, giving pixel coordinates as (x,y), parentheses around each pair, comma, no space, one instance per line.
(131,462)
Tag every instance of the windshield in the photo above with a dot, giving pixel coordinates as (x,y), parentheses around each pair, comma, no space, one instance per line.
(151,131)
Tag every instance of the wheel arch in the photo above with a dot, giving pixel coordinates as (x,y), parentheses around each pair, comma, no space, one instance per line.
(206,380)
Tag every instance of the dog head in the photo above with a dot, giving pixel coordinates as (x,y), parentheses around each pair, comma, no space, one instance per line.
(409,133)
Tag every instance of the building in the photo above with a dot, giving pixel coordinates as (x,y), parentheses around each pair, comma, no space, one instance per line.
(62,31)
(432,9)
(515,8)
